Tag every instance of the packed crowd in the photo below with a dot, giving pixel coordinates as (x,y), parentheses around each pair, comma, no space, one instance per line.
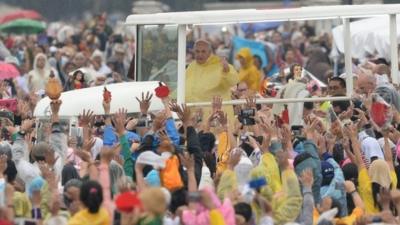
(298,163)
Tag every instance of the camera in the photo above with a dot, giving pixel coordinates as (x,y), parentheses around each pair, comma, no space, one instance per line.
(246,117)
(297,130)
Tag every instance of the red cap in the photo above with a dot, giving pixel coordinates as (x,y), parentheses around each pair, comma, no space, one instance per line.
(127,201)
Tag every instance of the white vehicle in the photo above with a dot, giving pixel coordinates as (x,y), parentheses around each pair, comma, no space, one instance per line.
(161,41)
(122,94)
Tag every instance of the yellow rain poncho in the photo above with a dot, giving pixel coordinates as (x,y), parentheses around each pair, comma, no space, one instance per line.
(249,73)
(204,81)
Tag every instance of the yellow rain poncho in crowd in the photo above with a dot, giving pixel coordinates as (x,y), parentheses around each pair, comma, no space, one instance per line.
(204,81)
(248,72)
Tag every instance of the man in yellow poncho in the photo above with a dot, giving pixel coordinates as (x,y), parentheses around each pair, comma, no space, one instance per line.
(209,76)
(248,72)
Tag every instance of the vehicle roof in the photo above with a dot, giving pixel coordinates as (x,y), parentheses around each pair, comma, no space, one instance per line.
(258,15)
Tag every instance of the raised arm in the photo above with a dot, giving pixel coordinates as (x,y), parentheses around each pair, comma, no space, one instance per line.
(119,119)
(388,153)
(351,131)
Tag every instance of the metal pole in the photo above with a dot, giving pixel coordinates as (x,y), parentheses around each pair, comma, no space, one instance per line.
(394,57)
(136,56)
(139,56)
(347,56)
(181,64)
(273,101)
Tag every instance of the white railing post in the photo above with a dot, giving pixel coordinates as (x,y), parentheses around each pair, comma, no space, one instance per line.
(347,57)
(394,58)
(181,64)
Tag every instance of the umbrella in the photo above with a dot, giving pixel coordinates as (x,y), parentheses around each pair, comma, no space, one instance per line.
(20,14)
(8,71)
(23,26)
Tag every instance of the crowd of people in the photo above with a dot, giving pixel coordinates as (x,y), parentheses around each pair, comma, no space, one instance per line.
(332,162)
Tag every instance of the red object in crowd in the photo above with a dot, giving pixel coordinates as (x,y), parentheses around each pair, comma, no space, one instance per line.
(9,43)
(9,104)
(127,201)
(162,91)
(20,14)
(285,116)
(8,71)
(378,113)
(106,95)
(5,222)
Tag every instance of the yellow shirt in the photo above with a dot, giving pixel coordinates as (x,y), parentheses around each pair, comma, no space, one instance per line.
(347,220)
(83,217)
(22,205)
(365,190)
(350,219)
(204,81)
(223,152)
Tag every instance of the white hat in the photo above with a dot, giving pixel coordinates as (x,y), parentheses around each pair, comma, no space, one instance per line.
(53,49)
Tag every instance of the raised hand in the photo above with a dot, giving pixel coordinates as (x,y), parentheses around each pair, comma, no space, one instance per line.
(86,152)
(307,178)
(282,158)
(310,127)
(88,144)
(187,161)
(159,122)
(86,118)
(222,118)
(350,130)
(119,119)
(186,116)
(27,125)
(234,158)
(145,102)
(23,109)
(251,102)
(225,65)
(216,104)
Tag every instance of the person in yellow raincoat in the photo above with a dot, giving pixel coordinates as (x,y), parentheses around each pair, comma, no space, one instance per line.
(248,72)
(209,76)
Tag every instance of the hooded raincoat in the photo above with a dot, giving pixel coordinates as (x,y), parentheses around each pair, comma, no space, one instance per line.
(204,81)
(249,73)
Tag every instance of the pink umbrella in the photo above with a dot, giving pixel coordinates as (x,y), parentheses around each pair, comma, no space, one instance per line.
(8,71)
(20,14)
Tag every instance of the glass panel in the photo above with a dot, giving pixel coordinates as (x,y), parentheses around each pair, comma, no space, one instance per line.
(158,54)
